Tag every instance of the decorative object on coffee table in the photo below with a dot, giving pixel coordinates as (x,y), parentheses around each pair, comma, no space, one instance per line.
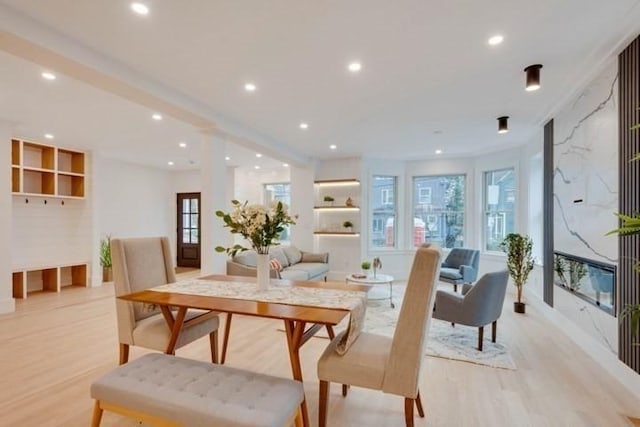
(365,266)
(519,263)
(261,226)
(377,264)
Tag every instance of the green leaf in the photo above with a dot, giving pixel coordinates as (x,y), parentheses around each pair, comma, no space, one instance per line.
(220,214)
(220,249)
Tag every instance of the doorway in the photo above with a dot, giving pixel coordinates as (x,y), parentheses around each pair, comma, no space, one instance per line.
(188,220)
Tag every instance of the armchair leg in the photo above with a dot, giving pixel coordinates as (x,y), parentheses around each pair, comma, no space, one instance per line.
(225,339)
(480,337)
(408,411)
(324,402)
(213,342)
(455,288)
(494,327)
(345,389)
(419,405)
(124,353)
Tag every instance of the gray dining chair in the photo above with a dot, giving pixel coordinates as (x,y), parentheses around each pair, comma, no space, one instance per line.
(478,305)
(460,267)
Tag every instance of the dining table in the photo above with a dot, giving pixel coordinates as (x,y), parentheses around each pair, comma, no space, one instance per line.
(301,319)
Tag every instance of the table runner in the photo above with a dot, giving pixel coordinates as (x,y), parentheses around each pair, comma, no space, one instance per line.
(354,301)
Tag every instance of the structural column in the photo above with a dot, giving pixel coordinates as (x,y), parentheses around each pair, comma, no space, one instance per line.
(7,303)
(302,201)
(547,212)
(213,197)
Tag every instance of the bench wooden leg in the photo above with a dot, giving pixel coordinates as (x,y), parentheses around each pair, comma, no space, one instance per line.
(124,353)
(97,415)
(324,402)
(213,341)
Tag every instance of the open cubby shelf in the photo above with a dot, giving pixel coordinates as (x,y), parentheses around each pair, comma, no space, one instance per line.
(44,170)
(330,215)
(48,279)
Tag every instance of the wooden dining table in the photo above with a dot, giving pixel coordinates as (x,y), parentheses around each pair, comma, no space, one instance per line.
(300,322)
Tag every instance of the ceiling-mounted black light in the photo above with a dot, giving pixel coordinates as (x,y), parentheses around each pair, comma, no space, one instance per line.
(503,127)
(533,77)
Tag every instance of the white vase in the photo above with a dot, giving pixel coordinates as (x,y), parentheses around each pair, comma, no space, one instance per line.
(264,273)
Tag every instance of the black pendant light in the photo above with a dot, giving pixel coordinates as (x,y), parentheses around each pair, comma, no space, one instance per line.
(533,77)
(503,127)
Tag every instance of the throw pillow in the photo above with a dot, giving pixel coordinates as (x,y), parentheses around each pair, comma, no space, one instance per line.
(311,257)
(274,264)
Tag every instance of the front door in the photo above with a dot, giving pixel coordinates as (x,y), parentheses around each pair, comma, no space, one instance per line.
(188,230)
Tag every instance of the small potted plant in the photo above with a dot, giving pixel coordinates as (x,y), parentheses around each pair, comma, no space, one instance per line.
(348,225)
(105,259)
(366,265)
(329,200)
(519,263)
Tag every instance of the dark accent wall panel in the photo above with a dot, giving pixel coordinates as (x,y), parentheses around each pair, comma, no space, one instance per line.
(547,212)
(629,246)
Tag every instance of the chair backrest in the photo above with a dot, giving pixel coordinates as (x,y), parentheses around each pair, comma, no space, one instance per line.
(462,256)
(138,264)
(409,339)
(483,303)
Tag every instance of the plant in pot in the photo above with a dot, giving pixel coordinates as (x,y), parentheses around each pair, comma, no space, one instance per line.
(365,266)
(348,225)
(105,259)
(519,263)
(329,200)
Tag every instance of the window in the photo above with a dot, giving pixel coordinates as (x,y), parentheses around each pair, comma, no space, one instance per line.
(438,210)
(383,208)
(499,203)
(279,192)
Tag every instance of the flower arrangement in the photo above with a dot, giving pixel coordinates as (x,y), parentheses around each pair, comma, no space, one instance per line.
(259,224)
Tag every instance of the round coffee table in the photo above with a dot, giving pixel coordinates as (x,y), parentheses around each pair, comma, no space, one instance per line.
(380,279)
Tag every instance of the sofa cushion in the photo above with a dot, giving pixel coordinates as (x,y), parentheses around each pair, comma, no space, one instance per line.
(450,273)
(313,269)
(293,254)
(292,274)
(278,253)
(248,258)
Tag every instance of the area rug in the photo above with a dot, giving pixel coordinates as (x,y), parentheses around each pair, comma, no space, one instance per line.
(444,341)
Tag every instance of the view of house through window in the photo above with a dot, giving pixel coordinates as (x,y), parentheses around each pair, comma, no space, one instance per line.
(383,208)
(499,202)
(279,192)
(438,210)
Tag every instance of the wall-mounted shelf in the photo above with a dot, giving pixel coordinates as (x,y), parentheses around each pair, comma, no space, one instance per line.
(44,170)
(48,279)
(336,182)
(344,207)
(337,208)
(335,233)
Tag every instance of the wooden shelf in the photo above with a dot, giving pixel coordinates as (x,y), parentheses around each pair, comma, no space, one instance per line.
(48,279)
(70,161)
(38,156)
(70,185)
(38,182)
(15,179)
(15,152)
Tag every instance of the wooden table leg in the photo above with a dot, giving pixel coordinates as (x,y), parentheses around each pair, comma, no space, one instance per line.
(294,331)
(177,327)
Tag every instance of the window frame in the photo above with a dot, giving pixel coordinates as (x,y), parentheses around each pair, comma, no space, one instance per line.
(486,212)
(385,208)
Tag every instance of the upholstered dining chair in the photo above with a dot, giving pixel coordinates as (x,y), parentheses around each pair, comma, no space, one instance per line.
(139,264)
(391,365)
(479,305)
(460,267)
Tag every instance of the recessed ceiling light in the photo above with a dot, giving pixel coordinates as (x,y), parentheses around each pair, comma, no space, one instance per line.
(258,155)
(256,167)
(183,145)
(250,87)
(333,146)
(286,165)
(438,151)
(495,40)
(140,8)
(48,75)
(354,67)
(156,116)
(170,163)
(48,136)
(227,158)
(304,125)
(503,126)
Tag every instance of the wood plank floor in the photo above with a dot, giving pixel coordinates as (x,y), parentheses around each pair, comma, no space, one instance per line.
(55,345)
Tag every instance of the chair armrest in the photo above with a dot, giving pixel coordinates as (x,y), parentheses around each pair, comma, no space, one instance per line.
(322,257)
(448,306)
(468,273)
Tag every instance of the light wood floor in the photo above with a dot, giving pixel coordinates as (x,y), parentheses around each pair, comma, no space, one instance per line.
(55,345)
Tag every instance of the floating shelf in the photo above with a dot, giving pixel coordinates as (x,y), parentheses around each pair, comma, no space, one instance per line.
(337,182)
(335,233)
(337,208)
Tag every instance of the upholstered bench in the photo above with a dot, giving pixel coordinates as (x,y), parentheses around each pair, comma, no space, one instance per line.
(166,390)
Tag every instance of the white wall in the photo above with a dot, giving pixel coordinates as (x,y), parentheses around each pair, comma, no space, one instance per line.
(7,303)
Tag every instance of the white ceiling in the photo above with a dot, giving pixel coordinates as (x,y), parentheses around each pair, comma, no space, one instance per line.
(426,68)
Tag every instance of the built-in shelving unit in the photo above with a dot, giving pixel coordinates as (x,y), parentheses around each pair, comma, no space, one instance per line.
(49,279)
(44,170)
(330,216)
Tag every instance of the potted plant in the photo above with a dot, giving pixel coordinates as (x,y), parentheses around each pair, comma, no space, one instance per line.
(105,259)
(348,225)
(366,265)
(329,200)
(519,263)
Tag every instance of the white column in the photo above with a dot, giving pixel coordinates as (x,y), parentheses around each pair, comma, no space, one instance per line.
(302,201)
(7,303)
(213,197)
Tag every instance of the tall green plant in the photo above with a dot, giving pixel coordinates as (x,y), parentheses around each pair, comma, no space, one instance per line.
(519,259)
(105,252)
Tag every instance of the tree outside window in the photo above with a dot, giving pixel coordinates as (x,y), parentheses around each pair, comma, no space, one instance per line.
(383,209)
(439,210)
(499,202)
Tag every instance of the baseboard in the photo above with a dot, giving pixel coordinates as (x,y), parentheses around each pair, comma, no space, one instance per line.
(7,305)
(598,352)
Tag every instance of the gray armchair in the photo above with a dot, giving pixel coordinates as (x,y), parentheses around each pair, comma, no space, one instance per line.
(478,305)
(460,266)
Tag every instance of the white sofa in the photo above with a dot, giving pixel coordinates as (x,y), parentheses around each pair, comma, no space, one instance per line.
(296,264)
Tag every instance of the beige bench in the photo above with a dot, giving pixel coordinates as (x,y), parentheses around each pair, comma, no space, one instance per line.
(165,390)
